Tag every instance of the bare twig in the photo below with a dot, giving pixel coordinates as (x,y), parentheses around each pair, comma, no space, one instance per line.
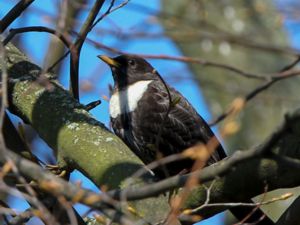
(57,186)
(273,79)
(45,215)
(86,28)
(14,13)
(199,61)
(196,35)
(81,38)
(4,96)
(58,61)
(74,60)
(157,163)
(62,36)
(110,10)
(252,212)
(63,20)
(235,204)
(292,65)
(68,207)
(16,31)
(21,218)
(186,213)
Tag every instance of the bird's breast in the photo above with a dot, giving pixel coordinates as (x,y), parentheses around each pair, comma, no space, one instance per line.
(126,100)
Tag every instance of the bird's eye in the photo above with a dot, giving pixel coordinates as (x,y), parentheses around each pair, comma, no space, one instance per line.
(131,62)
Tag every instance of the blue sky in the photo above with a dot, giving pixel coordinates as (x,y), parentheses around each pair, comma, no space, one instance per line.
(91,68)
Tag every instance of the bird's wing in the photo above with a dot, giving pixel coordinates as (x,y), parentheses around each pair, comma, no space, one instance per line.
(182,128)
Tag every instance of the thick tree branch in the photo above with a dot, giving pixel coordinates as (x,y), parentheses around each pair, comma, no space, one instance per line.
(64,124)
(80,142)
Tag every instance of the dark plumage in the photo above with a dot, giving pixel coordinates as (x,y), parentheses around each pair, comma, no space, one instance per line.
(139,128)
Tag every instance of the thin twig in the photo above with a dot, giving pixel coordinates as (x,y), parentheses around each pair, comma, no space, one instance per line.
(45,215)
(206,204)
(74,59)
(58,60)
(15,31)
(273,79)
(61,36)
(69,209)
(252,212)
(85,29)
(57,186)
(4,96)
(14,13)
(21,218)
(292,65)
(199,61)
(197,35)
(110,10)
(157,163)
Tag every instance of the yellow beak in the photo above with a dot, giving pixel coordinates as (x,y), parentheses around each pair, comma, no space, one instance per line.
(109,61)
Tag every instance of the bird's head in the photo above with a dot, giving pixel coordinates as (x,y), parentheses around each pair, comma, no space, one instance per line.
(128,69)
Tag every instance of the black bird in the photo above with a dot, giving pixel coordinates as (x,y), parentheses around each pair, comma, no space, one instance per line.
(140,112)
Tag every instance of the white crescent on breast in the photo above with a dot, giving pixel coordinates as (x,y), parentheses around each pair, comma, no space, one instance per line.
(126,100)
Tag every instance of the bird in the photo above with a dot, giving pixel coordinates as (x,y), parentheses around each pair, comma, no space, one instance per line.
(154,119)
(140,115)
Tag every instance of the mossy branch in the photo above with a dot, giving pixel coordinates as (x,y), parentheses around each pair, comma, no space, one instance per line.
(78,140)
